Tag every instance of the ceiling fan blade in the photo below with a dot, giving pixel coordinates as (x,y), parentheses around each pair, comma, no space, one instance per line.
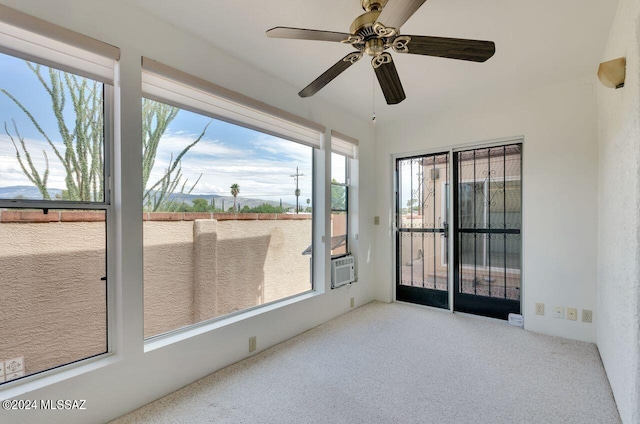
(306,34)
(388,78)
(330,74)
(397,12)
(452,48)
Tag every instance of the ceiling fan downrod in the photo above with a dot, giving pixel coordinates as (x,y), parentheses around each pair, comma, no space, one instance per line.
(369,5)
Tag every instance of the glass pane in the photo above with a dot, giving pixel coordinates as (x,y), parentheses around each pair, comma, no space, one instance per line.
(338,168)
(435,266)
(504,266)
(422,185)
(411,261)
(227,222)
(338,197)
(490,202)
(338,233)
(52,143)
(53,302)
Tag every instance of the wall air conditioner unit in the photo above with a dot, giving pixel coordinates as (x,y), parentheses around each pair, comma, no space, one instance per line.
(342,271)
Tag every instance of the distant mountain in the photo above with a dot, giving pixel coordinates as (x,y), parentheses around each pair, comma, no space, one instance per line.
(25,192)
(32,193)
(228,200)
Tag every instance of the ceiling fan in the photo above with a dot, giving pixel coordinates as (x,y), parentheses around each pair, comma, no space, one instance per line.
(377,30)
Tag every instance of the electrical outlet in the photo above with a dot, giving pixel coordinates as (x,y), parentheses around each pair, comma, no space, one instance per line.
(572,314)
(539,308)
(587,315)
(353,302)
(252,343)
(559,312)
(14,365)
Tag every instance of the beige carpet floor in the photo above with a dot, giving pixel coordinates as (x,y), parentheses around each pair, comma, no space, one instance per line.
(401,363)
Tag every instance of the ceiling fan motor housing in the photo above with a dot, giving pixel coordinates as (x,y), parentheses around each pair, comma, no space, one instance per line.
(363,24)
(369,5)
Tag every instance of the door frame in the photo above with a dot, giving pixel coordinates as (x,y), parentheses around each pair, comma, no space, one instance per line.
(453,193)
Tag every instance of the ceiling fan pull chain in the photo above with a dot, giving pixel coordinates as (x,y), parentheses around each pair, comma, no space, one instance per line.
(373,98)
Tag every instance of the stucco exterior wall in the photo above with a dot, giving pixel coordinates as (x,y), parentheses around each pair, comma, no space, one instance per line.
(52,298)
(203,269)
(53,301)
(168,276)
(618,284)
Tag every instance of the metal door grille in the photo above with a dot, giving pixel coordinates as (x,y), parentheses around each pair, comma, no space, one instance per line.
(421,220)
(488,217)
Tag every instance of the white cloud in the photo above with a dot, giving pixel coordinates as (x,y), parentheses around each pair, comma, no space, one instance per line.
(262,166)
(10,171)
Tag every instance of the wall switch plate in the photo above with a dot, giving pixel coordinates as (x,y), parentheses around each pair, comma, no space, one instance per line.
(539,308)
(572,314)
(353,302)
(559,312)
(253,345)
(587,315)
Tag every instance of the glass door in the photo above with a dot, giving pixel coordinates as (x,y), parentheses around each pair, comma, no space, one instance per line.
(487,230)
(422,199)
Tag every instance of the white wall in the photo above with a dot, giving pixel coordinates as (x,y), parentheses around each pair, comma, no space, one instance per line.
(619,217)
(132,377)
(558,123)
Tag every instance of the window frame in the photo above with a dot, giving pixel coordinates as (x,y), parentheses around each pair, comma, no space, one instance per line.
(176,88)
(106,205)
(347,186)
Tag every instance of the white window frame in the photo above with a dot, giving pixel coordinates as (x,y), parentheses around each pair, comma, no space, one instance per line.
(346,146)
(50,45)
(347,211)
(174,87)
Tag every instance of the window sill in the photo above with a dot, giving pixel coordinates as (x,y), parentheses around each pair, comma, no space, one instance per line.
(163,340)
(55,375)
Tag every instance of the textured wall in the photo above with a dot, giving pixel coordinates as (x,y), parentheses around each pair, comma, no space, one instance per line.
(198,270)
(168,276)
(619,217)
(52,301)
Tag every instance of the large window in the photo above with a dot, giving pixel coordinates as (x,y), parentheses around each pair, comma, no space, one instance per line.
(54,198)
(228,209)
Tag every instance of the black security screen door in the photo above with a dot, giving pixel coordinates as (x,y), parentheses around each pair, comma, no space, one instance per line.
(487,225)
(422,199)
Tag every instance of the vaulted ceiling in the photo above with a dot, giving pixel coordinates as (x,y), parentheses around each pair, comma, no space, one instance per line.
(537,43)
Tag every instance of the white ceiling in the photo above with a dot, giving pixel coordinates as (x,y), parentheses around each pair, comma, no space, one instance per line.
(538,42)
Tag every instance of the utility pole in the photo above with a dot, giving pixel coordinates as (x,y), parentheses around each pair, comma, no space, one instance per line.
(296,176)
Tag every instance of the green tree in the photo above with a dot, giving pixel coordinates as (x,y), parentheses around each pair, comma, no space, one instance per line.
(297,193)
(200,205)
(235,190)
(338,195)
(267,208)
(81,152)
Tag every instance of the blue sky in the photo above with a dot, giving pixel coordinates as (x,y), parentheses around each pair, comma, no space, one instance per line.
(261,164)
